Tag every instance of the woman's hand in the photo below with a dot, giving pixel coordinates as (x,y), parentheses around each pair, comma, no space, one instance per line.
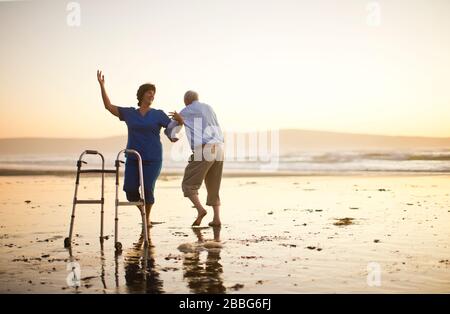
(100,78)
(106,102)
(177,117)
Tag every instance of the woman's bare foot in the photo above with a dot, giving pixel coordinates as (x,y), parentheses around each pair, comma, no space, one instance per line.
(200,215)
(149,225)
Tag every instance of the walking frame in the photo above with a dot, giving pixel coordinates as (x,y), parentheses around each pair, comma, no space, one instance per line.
(101,201)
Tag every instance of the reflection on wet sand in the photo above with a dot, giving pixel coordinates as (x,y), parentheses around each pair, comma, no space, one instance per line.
(204,277)
(140,269)
(102,262)
(341,224)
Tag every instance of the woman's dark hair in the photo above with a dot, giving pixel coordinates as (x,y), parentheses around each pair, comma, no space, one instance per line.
(143,89)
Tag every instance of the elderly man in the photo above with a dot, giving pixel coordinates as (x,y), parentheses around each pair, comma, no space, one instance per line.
(206,162)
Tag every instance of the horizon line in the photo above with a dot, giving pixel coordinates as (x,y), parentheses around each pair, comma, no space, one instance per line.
(225,131)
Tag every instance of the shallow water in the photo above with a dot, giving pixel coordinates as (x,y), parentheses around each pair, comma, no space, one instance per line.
(279,236)
(431,160)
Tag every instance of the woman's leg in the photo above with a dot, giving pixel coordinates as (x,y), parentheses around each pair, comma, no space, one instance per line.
(131,187)
(131,182)
(148,209)
(151,174)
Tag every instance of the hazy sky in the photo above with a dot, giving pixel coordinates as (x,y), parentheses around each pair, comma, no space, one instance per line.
(261,64)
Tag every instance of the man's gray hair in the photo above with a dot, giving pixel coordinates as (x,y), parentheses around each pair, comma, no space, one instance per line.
(191,96)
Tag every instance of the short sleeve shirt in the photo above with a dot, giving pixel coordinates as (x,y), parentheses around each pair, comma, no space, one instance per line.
(201,124)
(144,131)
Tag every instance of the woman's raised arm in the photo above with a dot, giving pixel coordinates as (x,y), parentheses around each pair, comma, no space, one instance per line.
(110,107)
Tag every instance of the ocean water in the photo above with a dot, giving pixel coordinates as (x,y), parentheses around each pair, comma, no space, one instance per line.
(302,162)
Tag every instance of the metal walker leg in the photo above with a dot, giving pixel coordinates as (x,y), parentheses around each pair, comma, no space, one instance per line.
(117,244)
(101,201)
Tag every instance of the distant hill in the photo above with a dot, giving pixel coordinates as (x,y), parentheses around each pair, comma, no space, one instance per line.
(59,145)
(301,140)
(291,141)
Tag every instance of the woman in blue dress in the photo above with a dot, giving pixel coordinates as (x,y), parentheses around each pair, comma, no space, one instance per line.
(144,125)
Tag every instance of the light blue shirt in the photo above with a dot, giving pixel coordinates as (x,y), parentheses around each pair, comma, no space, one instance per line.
(202,126)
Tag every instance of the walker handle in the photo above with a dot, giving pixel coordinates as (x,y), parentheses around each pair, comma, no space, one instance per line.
(91,152)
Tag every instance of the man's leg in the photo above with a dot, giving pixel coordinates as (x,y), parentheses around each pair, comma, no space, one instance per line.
(201,211)
(216,232)
(194,175)
(212,182)
(216,219)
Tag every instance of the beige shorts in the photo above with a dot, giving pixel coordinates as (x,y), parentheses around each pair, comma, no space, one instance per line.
(207,169)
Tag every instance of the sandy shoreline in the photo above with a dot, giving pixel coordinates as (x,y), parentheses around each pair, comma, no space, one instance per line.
(292,234)
(7,172)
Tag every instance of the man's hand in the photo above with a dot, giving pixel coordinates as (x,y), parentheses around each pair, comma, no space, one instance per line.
(177,117)
(100,78)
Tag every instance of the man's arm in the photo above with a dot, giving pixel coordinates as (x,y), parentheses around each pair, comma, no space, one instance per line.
(177,117)
(106,102)
(172,130)
(174,126)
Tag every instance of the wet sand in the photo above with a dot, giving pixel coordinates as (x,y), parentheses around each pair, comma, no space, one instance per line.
(296,234)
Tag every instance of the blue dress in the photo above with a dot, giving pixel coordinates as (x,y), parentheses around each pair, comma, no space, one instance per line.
(144,137)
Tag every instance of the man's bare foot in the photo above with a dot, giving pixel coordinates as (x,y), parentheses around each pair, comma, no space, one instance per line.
(215,223)
(200,216)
